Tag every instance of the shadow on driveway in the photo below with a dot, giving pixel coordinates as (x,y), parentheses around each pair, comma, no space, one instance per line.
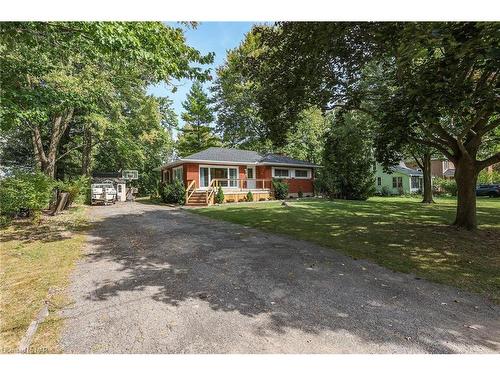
(288,295)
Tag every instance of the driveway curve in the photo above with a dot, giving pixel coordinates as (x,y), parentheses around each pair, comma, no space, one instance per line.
(160,280)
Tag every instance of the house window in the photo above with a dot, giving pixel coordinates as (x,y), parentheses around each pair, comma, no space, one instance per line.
(166,176)
(301,173)
(397,182)
(415,182)
(379,181)
(177,173)
(224,176)
(280,173)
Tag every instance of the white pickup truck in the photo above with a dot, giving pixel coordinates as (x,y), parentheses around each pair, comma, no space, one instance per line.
(104,193)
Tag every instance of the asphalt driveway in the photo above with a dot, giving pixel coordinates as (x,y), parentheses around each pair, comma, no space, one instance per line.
(162,280)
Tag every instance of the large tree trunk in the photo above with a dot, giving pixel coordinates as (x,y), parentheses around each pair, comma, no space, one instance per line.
(466,177)
(426,170)
(86,151)
(48,160)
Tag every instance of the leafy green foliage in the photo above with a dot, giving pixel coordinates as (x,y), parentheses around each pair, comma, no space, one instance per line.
(173,193)
(78,189)
(280,189)
(235,99)
(195,138)
(219,197)
(197,134)
(72,84)
(249,197)
(306,141)
(432,83)
(486,177)
(446,185)
(139,139)
(25,191)
(348,163)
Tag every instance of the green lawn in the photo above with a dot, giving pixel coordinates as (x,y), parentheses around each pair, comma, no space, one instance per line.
(36,260)
(399,233)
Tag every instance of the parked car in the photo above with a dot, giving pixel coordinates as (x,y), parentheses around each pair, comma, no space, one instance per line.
(103,193)
(490,190)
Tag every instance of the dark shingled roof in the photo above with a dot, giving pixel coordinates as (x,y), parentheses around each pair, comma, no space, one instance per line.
(280,159)
(225,154)
(233,155)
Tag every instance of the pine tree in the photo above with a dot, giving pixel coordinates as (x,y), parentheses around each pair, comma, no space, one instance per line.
(197,133)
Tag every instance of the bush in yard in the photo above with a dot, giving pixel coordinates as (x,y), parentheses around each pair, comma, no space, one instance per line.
(79,190)
(385,191)
(280,189)
(219,197)
(28,192)
(173,192)
(486,177)
(249,197)
(300,194)
(448,186)
(347,157)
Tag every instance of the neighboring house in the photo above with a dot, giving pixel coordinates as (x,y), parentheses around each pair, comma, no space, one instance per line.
(237,172)
(401,180)
(442,168)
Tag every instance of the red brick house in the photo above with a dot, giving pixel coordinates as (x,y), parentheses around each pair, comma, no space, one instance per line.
(237,172)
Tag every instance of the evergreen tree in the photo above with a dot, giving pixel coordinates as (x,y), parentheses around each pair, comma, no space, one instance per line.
(348,161)
(197,133)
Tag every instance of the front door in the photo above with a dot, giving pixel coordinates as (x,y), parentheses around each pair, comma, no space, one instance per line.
(251,178)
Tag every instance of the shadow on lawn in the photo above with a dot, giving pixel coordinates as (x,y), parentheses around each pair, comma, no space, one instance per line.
(50,229)
(296,284)
(404,236)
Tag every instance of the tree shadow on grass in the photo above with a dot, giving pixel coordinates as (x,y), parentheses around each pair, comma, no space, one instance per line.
(295,284)
(49,229)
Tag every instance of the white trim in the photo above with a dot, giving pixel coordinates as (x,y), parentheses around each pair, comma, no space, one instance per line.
(217,166)
(291,173)
(286,169)
(308,177)
(291,165)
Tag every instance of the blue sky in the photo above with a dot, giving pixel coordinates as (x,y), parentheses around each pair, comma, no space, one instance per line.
(217,37)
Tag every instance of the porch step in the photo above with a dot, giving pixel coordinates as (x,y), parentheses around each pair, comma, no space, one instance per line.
(198,198)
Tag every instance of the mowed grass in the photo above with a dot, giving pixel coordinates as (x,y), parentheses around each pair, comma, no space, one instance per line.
(35,263)
(399,233)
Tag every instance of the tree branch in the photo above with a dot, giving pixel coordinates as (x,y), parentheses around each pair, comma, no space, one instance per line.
(481,164)
(420,165)
(437,146)
(75,148)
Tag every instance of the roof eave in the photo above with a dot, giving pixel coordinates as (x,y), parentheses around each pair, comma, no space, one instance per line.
(291,165)
(225,162)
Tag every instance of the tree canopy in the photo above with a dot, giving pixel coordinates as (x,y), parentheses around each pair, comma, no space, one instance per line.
(197,134)
(70,85)
(437,85)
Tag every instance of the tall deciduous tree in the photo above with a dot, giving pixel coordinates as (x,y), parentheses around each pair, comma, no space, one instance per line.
(197,134)
(445,78)
(235,98)
(54,71)
(307,141)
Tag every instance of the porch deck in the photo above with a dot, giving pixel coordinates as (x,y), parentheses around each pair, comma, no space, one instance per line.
(235,190)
